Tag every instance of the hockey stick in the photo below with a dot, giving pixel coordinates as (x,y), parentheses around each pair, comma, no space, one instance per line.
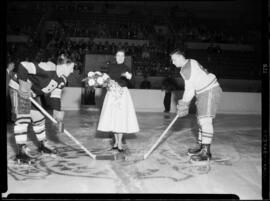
(160,138)
(65,131)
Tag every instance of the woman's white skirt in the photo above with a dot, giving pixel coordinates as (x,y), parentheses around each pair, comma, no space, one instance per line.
(118,114)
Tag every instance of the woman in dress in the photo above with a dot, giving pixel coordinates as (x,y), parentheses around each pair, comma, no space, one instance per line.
(118,113)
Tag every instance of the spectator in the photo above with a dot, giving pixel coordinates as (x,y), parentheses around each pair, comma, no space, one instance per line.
(145,84)
(168,84)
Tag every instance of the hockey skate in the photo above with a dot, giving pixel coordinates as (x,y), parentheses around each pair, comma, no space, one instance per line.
(203,156)
(195,150)
(45,148)
(24,156)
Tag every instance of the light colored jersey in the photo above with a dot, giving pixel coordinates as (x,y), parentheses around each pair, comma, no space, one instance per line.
(197,79)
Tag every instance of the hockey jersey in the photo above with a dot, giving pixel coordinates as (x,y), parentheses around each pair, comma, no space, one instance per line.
(197,79)
(43,78)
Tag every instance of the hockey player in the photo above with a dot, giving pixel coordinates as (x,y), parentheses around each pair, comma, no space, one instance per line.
(35,79)
(203,85)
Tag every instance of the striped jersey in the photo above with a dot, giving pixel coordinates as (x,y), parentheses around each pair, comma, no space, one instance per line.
(42,75)
(44,80)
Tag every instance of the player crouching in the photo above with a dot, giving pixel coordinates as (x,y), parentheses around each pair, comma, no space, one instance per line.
(34,79)
(205,87)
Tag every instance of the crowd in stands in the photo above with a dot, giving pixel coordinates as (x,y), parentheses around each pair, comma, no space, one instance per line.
(146,58)
(201,32)
(20,30)
(149,59)
(103,30)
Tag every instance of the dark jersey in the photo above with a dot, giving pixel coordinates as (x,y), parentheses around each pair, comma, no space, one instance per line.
(42,76)
(44,80)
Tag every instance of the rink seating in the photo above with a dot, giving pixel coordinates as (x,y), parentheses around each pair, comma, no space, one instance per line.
(152,101)
(22,22)
(229,64)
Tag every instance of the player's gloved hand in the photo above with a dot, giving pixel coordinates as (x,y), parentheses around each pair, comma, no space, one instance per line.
(59,117)
(24,93)
(24,89)
(182,108)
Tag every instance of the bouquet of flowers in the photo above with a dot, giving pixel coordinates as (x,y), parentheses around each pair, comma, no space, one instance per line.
(98,79)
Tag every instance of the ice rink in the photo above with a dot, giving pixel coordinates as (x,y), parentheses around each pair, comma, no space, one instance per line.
(235,168)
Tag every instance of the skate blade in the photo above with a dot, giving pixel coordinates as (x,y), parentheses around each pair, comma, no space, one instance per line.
(200,162)
(21,163)
(220,159)
(47,155)
(33,156)
(189,154)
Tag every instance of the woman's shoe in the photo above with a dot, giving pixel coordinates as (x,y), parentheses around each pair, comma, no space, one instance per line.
(120,150)
(114,147)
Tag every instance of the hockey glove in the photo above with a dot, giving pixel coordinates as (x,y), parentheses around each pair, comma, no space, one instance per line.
(24,92)
(59,117)
(182,108)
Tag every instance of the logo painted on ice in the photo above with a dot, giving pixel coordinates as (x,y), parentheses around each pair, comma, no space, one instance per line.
(72,162)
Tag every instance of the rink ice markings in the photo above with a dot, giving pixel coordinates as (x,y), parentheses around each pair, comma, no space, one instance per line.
(141,170)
